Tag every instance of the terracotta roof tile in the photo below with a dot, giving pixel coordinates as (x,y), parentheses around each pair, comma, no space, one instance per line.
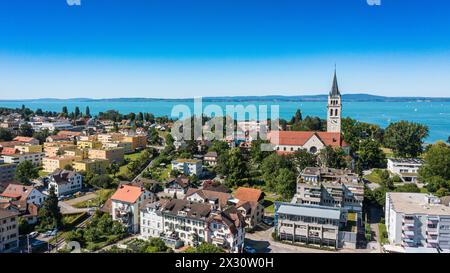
(127,193)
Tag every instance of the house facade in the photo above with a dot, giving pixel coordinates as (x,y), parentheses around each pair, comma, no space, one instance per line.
(9,230)
(65,182)
(406,168)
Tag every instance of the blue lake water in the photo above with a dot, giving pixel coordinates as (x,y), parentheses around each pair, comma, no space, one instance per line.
(434,114)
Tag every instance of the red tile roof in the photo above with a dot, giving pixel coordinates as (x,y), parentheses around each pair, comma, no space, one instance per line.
(248,194)
(9,143)
(25,139)
(128,194)
(9,151)
(297,138)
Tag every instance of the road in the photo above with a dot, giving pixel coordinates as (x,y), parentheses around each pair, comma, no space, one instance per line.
(68,209)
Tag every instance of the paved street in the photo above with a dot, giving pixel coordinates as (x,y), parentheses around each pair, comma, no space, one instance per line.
(68,209)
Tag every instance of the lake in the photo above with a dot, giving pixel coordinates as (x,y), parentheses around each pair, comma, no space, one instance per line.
(434,114)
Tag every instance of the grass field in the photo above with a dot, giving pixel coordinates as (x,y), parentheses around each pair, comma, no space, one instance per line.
(101,198)
(374,177)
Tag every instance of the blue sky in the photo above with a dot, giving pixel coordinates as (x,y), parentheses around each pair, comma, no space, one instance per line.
(185,48)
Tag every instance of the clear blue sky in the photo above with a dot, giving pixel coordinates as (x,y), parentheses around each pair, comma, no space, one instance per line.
(185,48)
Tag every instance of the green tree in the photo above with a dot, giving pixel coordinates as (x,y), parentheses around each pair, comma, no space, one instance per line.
(26,130)
(113,169)
(370,155)
(408,187)
(88,112)
(68,167)
(436,162)
(65,111)
(206,248)
(297,118)
(77,112)
(5,135)
(332,157)
(436,183)
(442,192)
(405,138)
(41,136)
(153,136)
(286,183)
(156,245)
(271,167)
(102,181)
(302,159)
(49,214)
(256,153)
(24,227)
(25,172)
(219,146)
(237,166)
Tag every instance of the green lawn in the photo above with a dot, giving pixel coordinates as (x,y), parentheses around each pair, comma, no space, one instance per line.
(269,204)
(383,234)
(134,156)
(374,177)
(42,173)
(102,196)
(388,152)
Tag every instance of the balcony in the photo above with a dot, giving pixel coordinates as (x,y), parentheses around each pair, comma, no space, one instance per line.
(408,241)
(408,233)
(432,231)
(408,227)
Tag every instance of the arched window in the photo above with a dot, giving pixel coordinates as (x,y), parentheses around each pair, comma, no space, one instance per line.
(336,112)
(331,112)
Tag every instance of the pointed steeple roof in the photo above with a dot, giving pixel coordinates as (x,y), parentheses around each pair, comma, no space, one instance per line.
(335,88)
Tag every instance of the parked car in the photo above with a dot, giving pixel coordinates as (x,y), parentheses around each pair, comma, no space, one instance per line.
(249,249)
(33,234)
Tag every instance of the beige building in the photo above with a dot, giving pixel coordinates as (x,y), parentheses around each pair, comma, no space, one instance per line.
(137,141)
(52,163)
(127,148)
(109,137)
(57,149)
(97,166)
(9,230)
(79,154)
(29,148)
(89,144)
(112,154)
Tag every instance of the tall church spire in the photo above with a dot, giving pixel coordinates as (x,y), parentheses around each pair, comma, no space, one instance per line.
(335,88)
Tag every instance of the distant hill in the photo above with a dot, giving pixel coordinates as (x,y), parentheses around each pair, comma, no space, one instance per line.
(345,97)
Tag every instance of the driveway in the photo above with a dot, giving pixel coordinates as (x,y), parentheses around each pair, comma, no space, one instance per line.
(68,209)
(88,196)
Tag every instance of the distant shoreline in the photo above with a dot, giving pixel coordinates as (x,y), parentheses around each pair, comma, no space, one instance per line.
(274,98)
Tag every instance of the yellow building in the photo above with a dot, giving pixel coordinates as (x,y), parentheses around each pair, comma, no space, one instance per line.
(50,164)
(57,150)
(111,154)
(111,137)
(29,148)
(89,144)
(97,166)
(137,142)
(79,154)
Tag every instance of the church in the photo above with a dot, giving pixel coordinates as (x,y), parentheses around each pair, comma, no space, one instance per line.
(286,142)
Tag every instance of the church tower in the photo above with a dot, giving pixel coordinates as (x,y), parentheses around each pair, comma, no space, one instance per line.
(334,108)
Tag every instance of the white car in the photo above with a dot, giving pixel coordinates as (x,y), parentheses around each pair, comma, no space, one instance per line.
(33,234)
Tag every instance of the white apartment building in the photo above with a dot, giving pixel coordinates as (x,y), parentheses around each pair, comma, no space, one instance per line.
(52,126)
(25,194)
(188,166)
(126,202)
(65,182)
(152,220)
(35,158)
(9,230)
(406,168)
(417,222)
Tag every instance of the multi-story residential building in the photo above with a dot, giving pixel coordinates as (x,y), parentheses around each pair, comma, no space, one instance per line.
(53,149)
(23,194)
(9,230)
(111,154)
(7,172)
(137,141)
(52,126)
(127,148)
(406,168)
(152,225)
(188,166)
(189,224)
(29,148)
(177,187)
(51,164)
(125,205)
(330,187)
(65,182)
(59,139)
(211,158)
(79,154)
(89,144)
(111,137)
(318,225)
(250,203)
(97,166)
(417,222)
(35,158)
